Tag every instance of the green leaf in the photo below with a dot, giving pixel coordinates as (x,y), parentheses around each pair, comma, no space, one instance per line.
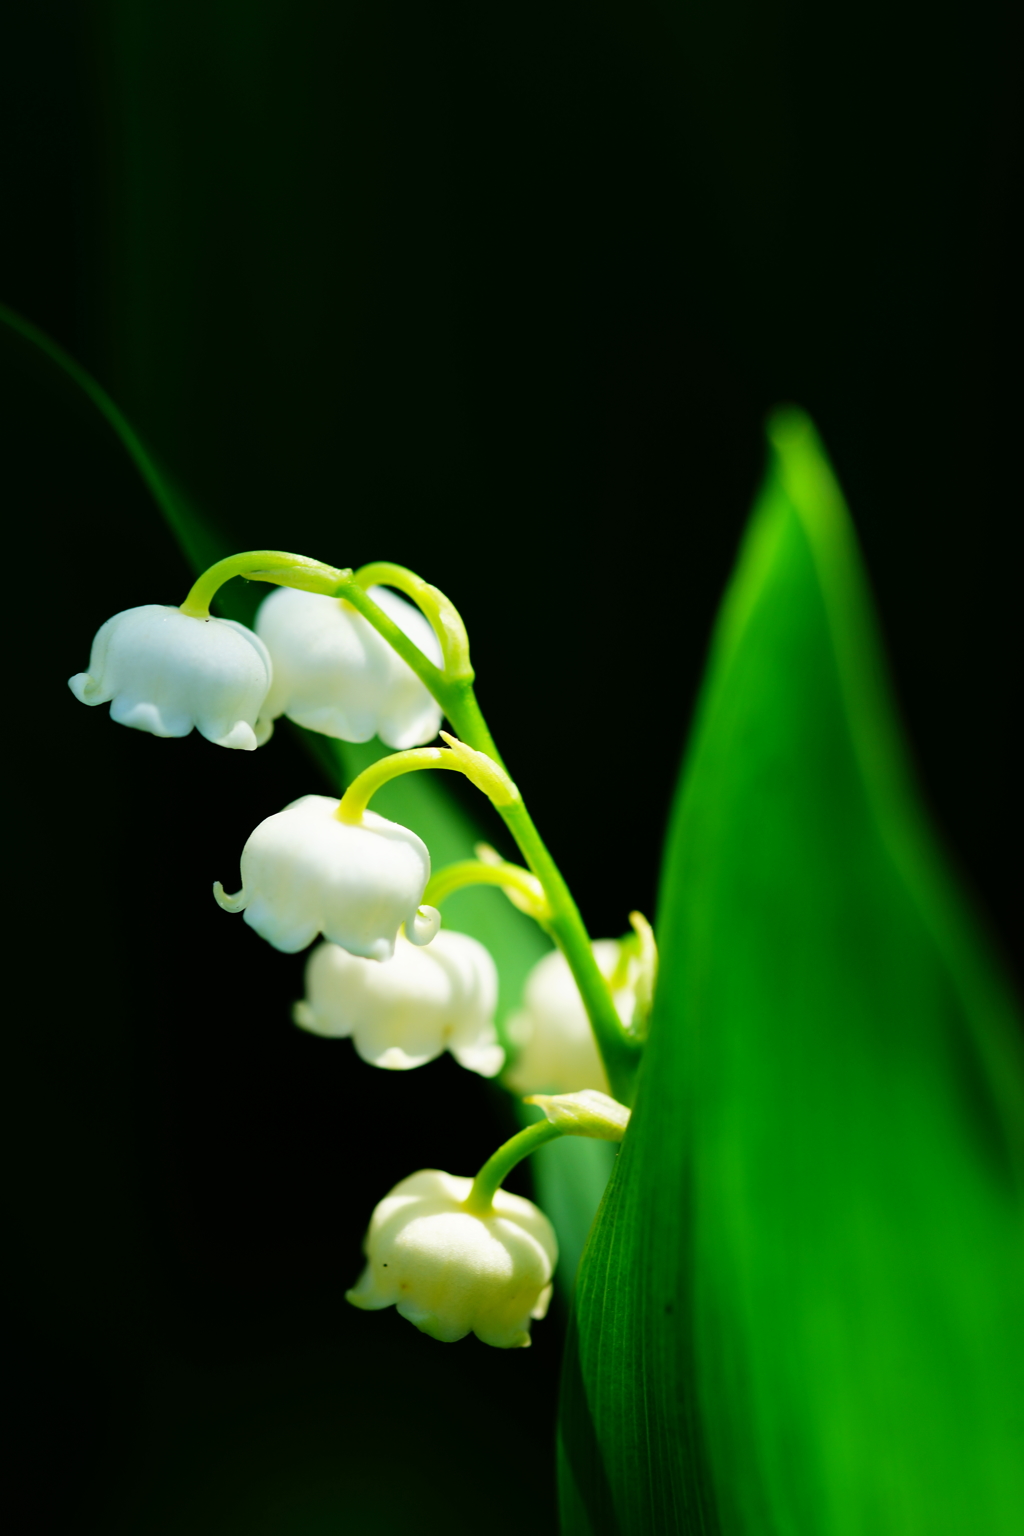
(198,540)
(801,1309)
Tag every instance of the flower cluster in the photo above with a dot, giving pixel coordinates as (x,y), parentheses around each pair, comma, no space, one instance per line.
(454,1255)
(313,658)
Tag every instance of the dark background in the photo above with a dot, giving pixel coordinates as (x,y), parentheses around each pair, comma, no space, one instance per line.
(504,296)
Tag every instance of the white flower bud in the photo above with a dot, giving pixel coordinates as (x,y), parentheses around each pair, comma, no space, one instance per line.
(164,672)
(305,872)
(334,673)
(412,1007)
(453,1273)
(557,1049)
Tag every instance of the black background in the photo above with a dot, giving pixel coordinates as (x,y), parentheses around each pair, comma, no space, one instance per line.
(504,296)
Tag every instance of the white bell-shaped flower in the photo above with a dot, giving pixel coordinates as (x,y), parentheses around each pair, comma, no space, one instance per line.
(412,1007)
(334,673)
(453,1273)
(305,872)
(557,1050)
(165,672)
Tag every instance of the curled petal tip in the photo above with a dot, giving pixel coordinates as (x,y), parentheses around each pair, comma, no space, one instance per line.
(82,685)
(229,903)
(424,926)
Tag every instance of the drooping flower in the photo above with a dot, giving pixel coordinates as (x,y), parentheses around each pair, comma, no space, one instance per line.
(412,1007)
(451,1272)
(334,673)
(164,672)
(557,1051)
(305,872)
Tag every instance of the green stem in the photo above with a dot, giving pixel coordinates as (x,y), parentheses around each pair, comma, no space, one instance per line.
(467,872)
(273,565)
(480,1200)
(431,676)
(442,613)
(464,712)
(620,1051)
(366,784)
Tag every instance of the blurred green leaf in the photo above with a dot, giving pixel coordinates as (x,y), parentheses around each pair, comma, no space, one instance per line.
(801,1309)
(198,540)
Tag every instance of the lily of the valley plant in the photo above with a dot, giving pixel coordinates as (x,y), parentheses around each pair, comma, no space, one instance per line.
(801,1306)
(342,653)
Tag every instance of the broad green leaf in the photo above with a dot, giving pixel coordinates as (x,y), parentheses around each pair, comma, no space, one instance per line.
(801,1309)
